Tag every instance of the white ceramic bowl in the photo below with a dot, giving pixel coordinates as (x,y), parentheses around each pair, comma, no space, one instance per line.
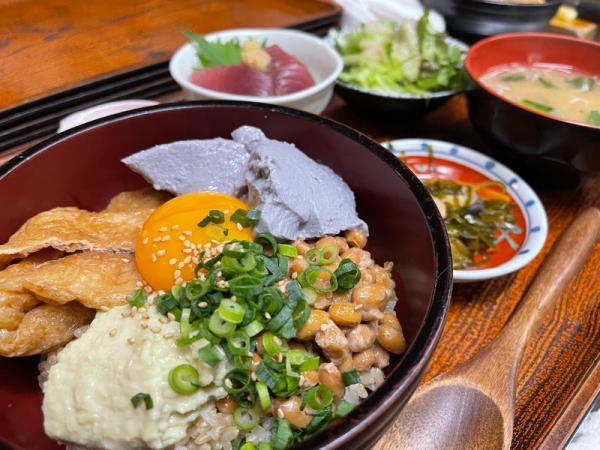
(323,63)
(455,162)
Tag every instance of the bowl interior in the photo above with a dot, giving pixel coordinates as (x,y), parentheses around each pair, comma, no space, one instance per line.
(321,61)
(82,167)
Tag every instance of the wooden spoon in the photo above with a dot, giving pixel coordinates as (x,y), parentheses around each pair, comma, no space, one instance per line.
(472,405)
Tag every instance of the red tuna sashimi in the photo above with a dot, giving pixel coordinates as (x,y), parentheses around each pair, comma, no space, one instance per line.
(284,75)
(239,79)
(289,75)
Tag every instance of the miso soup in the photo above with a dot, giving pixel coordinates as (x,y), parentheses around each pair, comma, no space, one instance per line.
(570,95)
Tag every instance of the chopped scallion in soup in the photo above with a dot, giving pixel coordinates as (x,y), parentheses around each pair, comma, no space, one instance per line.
(561,93)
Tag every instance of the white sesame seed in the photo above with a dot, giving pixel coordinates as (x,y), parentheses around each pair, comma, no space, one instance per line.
(187,259)
(195,259)
(147,289)
(171,316)
(156,330)
(358,307)
(239,226)
(187,232)
(153,257)
(104,308)
(181,237)
(125,260)
(168,335)
(139,283)
(173,261)
(253,377)
(125,313)
(163,319)
(187,243)
(131,340)
(267,316)
(202,305)
(226,211)
(228,383)
(175,227)
(180,265)
(113,332)
(187,250)
(177,274)
(142,310)
(162,229)
(214,241)
(161,252)
(134,311)
(144,325)
(166,237)
(145,241)
(277,340)
(294,275)
(301,380)
(179,280)
(280,413)
(157,239)
(145,316)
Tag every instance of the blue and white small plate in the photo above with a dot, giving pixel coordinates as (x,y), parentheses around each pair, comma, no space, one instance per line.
(451,161)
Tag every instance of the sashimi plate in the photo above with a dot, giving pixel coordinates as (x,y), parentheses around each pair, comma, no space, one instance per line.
(445,160)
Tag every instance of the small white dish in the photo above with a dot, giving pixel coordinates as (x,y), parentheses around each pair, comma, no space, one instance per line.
(102,110)
(322,61)
(452,161)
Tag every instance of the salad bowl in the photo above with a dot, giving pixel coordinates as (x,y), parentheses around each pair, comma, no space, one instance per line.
(405,228)
(380,75)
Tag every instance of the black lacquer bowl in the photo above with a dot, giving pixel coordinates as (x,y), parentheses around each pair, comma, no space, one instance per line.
(82,167)
(471,20)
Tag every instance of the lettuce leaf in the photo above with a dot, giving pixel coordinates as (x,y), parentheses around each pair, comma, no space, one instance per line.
(406,57)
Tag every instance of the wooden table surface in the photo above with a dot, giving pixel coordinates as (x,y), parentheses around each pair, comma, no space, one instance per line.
(60,44)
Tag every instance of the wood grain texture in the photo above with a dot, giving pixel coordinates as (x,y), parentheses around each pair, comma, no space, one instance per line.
(49,46)
(559,374)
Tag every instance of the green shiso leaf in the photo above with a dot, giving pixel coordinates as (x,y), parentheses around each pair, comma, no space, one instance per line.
(215,53)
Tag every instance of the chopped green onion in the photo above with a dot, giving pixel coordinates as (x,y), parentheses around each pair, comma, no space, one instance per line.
(253,328)
(311,277)
(319,397)
(514,77)
(319,421)
(245,419)
(347,275)
(311,364)
(248,446)
(343,408)
(246,218)
(231,311)
(184,325)
(263,395)
(282,436)
(298,356)
(245,286)
(139,397)
(301,314)
(546,83)
(211,354)
(538,106)
(310,295)
(166,303)
(287,250)
(350,377)
(269,239)
(216,216)
(204,222)
(216,232)
(272,344)
(264,446)
(219,326)
(137,299)
(204,331)
(593,118)
(237,381)
(239,343)
(184,379)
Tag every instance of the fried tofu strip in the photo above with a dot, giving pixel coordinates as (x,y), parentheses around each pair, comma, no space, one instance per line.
(15,301)
(71,229)
(94,279)
(44,328)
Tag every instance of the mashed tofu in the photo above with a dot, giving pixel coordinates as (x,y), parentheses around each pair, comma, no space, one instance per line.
(87,401)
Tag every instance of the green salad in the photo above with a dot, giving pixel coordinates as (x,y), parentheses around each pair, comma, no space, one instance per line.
(408,57)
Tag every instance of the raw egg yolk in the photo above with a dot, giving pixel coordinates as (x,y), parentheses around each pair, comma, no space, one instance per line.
(170,242)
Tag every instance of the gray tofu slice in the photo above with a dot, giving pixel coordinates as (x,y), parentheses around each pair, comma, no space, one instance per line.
(217,165)
(298,197)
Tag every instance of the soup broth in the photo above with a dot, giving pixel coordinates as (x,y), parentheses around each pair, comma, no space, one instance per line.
(570,95)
